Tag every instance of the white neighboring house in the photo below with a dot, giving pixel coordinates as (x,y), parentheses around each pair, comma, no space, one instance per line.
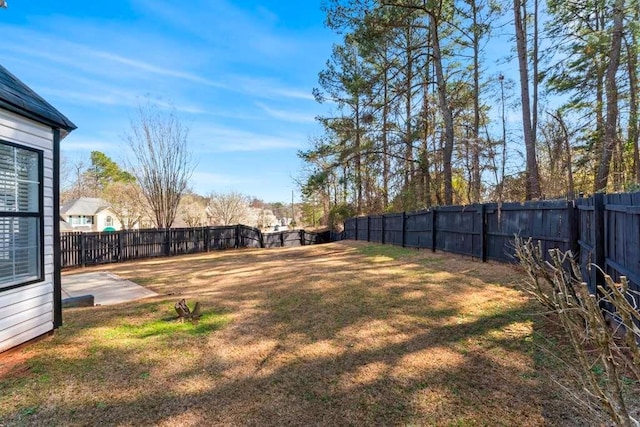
(89,214)
(30,288)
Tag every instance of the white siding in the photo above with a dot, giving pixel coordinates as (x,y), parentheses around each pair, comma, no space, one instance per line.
(27,312)
(101,220)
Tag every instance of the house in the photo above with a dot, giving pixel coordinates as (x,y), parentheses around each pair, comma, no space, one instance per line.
(30,134)
(89,214)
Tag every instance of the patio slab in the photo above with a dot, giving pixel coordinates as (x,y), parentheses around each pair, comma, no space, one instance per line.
(106,288)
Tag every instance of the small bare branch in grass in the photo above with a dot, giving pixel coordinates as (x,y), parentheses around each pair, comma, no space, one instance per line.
(603,356)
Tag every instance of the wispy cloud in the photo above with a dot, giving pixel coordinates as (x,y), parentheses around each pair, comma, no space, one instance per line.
(88,145)
(153,69)
(285,115)
(98,62)
(269,88)
(223,139)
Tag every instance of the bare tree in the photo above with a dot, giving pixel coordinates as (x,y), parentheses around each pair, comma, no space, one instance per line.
(163,165)
(228,208)
(193,210)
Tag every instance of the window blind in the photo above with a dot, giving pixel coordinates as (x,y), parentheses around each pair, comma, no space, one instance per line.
(20,216)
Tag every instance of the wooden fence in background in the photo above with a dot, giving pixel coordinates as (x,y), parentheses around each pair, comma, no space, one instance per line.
(82,249)
(603,230)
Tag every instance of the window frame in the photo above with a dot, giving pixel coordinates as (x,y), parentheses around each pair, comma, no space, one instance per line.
(39,215)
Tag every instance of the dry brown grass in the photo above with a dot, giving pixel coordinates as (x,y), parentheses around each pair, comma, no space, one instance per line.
(337,334)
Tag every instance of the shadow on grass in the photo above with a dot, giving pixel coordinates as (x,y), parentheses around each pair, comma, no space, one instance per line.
(316,336)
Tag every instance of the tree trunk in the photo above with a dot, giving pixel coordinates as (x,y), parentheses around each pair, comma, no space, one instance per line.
(532,175)
(475,156)
(358,160)
(632,55)
(385,132)
(447,116)
(424,161)
(409,198)
(610,129)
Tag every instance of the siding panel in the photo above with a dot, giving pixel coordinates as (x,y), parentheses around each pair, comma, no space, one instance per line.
(27,312)
(29,334)
(24,315)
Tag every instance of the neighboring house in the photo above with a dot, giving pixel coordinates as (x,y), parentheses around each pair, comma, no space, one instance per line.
(89,214)
(30,290)
(64,225)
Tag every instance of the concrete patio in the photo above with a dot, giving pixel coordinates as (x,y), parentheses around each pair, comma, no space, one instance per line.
(106,288)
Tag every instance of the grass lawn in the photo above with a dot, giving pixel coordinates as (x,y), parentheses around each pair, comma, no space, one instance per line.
(339,334)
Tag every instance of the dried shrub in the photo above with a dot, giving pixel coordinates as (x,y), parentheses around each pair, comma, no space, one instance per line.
(602,328)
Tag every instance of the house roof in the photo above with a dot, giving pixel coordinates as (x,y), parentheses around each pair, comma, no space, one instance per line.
(18,98)
(84,206)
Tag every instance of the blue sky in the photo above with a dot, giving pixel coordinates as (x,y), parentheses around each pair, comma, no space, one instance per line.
(239,73)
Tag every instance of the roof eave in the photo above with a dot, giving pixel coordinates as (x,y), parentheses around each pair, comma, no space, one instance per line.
(65,125)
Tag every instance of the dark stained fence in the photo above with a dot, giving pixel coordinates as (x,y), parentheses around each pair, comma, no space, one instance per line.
(362,228)
(309,238)
(283,239)
(249,237)
(187,240)
(458,230)
(393,233)
(622,237)
(549,222)
(223,237)
(71,249)
(143,243)
(376,230)
(603,229)
(81,249)
(418,228)
(350,229)
(591,238)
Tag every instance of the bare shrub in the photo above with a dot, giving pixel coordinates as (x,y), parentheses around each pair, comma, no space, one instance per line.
(602,328)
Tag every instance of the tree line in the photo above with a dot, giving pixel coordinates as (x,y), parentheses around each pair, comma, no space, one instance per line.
(422,117)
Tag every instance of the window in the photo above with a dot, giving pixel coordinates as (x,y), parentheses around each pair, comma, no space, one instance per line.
(109,221)
(21,216)
(80,220)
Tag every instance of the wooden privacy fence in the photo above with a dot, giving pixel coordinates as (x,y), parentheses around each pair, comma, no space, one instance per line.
(603,229)
(81,249)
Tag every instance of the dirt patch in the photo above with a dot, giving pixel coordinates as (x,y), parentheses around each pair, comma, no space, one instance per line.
(337,334)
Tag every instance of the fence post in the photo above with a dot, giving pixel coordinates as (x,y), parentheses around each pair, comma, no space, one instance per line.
(599,256)
(382,227)
(168,237)
(574,227)
(368,228)
(433,229)
(238,236)
(356,228)
(483,233)
(120,246)
(83,250)
(206,239)
(301,233)
(404,223)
